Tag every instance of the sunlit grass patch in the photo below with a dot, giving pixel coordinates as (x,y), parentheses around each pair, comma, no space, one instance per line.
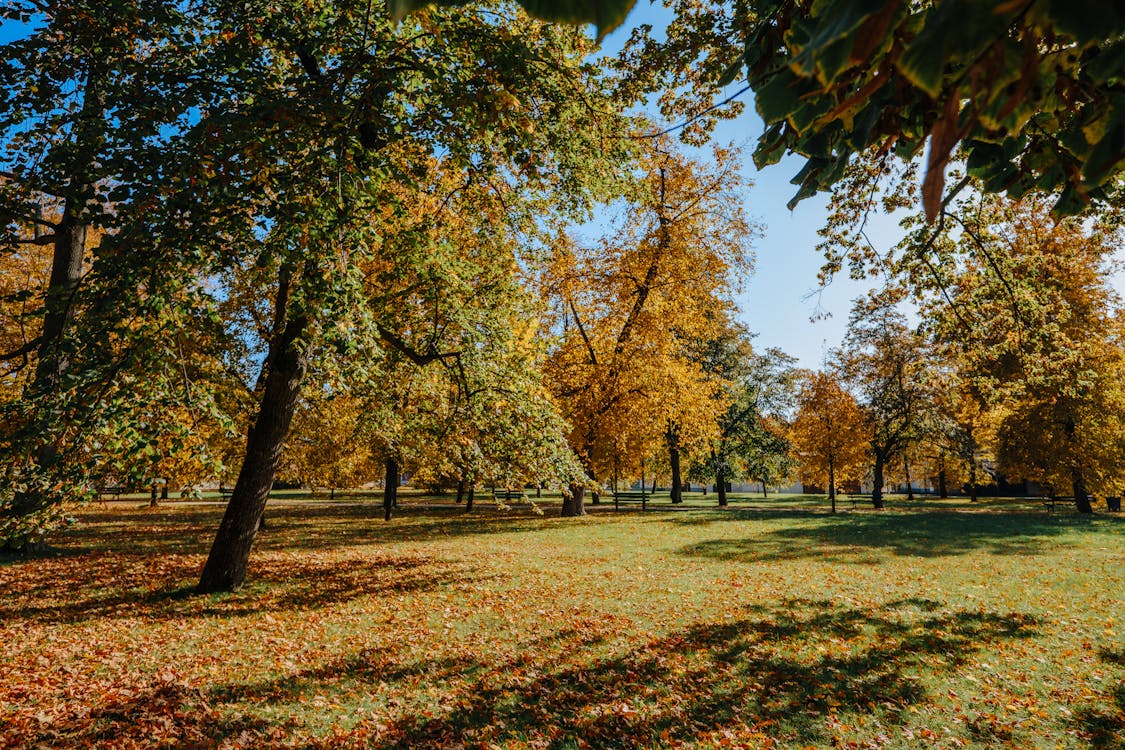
(754,626)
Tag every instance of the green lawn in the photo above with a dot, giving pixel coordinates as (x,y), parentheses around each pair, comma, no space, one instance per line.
(770,624)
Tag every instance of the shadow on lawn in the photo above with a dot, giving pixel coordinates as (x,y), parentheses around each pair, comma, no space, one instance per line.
(74,589)
(190,528)
(784,672)
(1104,726)
(863,538)
(765,674)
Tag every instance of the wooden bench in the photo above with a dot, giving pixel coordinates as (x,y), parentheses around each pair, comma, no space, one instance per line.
(116,490)
(1064,500)
(630,496)
(504,496)
(856,497)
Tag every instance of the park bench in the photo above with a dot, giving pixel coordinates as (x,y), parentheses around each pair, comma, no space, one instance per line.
(503,496)
(857,497)
(1056,501)
(630,496)
(226,491)
(116,490)
(1113,504)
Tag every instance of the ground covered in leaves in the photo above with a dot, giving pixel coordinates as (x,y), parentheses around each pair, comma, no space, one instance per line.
(766,627)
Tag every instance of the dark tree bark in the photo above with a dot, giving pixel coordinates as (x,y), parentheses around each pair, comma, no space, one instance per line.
(460,490)
(943,490)
(164,490)
(877,482)
(909,482)
(574,501)
(1081,496)
(390,488)
(287,362)
(832,481)
(673,439)
(765,492)
(152,497)
(721,486)
(469,498)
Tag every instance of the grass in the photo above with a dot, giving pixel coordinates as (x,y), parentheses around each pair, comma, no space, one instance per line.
(770,624)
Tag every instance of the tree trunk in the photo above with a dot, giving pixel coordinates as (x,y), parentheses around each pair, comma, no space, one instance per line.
(164,490)
(721,486)
(469,497)
(225,569)
(390,488)
(832,481)
(909,482)
(877,482)
(674,460)
(973,482)
(574,501)
(765,492)
(943,490)
(460,490)
(152,496)
(68,250)
(1081,497)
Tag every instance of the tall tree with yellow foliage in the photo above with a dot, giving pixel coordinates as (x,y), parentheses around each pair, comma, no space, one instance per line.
(629,310)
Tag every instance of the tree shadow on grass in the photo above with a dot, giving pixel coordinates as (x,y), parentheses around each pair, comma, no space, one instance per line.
(75,589)
(867,538)
(183,528)
(783,674)
(764,675)
(1104,726)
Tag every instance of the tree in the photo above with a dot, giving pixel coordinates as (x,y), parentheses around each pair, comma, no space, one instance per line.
(759,389)
(343,97)
(884,362)
(93,96)
(1036,325)
(630,309)
(829,433)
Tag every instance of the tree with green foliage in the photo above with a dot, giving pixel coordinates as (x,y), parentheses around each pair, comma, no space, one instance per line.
(345,111)
(94,99)
(1030,89)
(884,362)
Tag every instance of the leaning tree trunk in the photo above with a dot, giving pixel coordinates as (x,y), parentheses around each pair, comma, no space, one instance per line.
(390,488)
(574,501)
(1081,497)
(877,482)
(674,461)
(225,569)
